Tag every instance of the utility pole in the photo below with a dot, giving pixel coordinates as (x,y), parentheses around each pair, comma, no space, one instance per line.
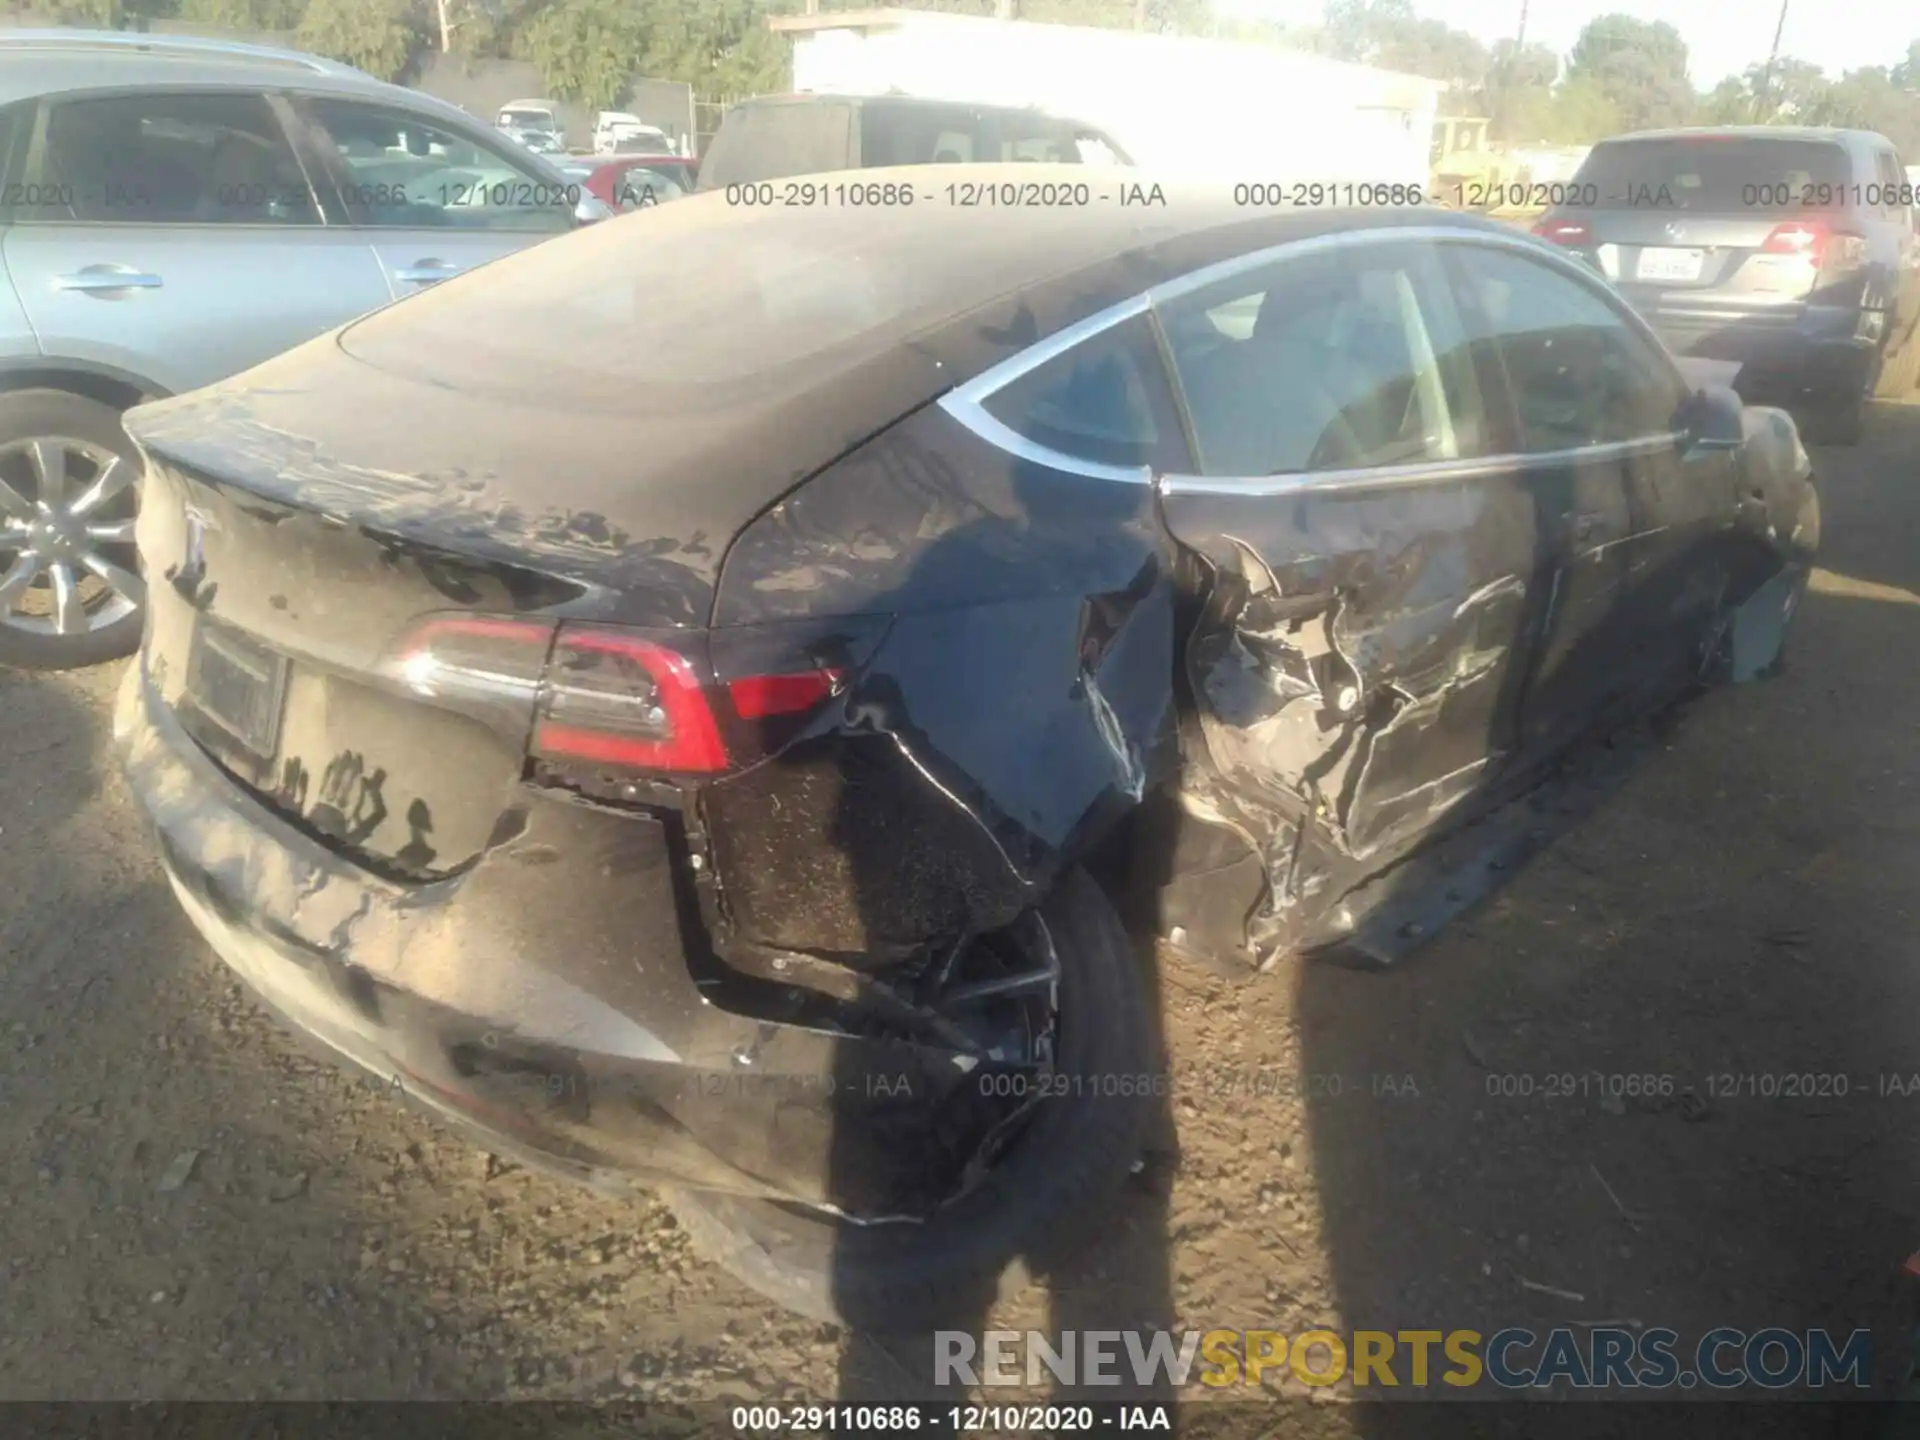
(1773,57)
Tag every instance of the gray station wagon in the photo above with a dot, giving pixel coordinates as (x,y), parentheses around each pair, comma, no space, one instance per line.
(173,211)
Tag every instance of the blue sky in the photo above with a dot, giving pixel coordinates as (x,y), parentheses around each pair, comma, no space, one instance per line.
(1722,38)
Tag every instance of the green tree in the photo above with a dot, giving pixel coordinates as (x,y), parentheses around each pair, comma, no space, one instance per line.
(1582,113)
(1640,66)
(1791,92)
(377,36)
(720,47)
(1524,66)
(1435,50)
(1906,75)
(587,50)
(94,14)
(1518,92)
(1869,99)
(242,14)
(1728,103)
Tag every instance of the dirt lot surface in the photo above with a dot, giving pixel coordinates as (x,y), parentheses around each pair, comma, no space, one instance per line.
(191,1208)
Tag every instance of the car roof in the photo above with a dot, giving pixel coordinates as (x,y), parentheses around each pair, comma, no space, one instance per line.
(967,261)
(810,97)
(834,328)
(36,63)
(1748,132)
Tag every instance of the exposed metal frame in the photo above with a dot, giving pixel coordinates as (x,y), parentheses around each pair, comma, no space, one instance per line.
(967,402)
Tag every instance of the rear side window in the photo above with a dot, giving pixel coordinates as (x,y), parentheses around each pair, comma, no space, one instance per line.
(1580,375)
(893,133)
(1345,360)
(1106,400)
(218,159)
(1717,174)
(918,135)
(771,142)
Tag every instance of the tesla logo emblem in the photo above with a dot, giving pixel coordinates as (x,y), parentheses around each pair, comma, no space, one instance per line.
(1674,232)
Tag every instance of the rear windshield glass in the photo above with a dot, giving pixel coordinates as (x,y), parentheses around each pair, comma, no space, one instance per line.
(723,299)
(1716,173)
(896,134)
(534,119)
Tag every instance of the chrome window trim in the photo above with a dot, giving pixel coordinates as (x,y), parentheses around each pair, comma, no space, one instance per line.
(967,402)
(1434,472)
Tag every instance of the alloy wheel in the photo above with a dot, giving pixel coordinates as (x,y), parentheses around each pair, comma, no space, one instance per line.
(67,563)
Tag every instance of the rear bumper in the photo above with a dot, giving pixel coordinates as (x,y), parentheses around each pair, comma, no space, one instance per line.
(513,1000)
(1816,352)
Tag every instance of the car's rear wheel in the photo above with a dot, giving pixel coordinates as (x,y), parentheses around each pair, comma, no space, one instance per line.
(70,592)
(1041,1196)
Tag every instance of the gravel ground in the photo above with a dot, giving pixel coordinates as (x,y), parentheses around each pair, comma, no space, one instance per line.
(192,1208)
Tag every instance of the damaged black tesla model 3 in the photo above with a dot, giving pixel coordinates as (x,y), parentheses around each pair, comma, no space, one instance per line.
(663,700)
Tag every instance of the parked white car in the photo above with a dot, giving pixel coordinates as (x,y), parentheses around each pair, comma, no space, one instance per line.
(611,127)
(527,115)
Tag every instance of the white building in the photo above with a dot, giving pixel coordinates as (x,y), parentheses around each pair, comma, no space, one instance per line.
(1211,109)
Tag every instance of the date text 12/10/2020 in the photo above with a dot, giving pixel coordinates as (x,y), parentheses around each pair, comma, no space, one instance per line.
(949,1419)
(1716,1085)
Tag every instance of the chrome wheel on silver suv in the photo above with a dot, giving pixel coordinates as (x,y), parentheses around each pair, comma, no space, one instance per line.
(70,587)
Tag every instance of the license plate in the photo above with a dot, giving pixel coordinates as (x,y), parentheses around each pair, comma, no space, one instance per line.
(1660,264)
(238,684)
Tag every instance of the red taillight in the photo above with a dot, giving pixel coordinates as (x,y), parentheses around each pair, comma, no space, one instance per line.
(1815,241)
(614,699)
(1564,232)
(601,696)
(1796,238)
(756,697)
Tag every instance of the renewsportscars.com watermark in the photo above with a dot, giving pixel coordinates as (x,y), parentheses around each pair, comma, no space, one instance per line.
(1596,1358)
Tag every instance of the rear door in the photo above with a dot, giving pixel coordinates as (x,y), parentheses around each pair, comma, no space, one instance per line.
(432,199)
(1373,544)
(176,235)
(1695,228)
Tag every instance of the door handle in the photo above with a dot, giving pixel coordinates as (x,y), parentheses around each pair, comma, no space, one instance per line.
(425,272)
(104,279)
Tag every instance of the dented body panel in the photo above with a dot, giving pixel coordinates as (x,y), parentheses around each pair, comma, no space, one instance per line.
(932,662)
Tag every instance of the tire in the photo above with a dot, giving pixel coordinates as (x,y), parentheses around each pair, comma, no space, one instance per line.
(26,641)
(1040,1201)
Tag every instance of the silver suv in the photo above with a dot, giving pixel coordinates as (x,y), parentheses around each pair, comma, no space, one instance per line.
(1790,252)
(173,211)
